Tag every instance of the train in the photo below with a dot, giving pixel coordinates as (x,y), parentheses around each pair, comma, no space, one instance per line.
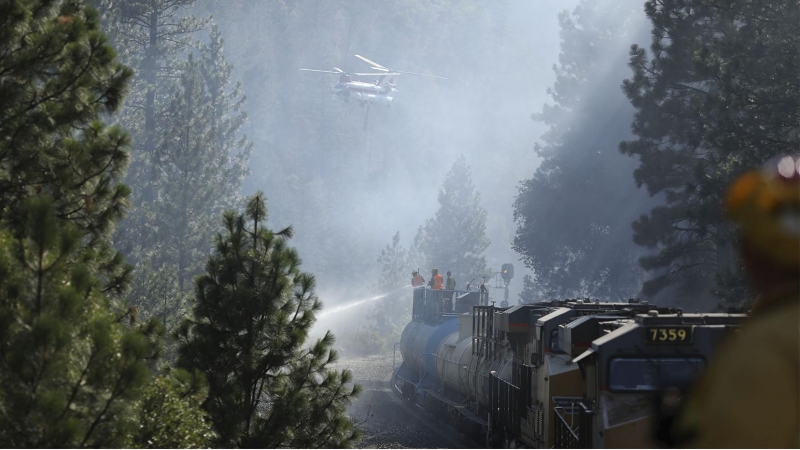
(573,373)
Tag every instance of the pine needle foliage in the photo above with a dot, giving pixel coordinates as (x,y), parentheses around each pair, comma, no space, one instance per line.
(573,215)
(454,238)
(200,163)
(70,372)
(719,93)
(252,314)
(74,362)
(57,76)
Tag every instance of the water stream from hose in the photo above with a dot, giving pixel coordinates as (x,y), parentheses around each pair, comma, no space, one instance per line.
(337,309)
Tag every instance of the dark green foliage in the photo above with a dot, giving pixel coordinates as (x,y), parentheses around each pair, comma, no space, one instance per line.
(252,314)
(573,216)
(70,372)
(720,93)
(73,361)
(58,75)
(168,416)
(455,238)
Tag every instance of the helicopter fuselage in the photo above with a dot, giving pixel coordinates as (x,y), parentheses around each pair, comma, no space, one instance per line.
(382,90)
(365,92)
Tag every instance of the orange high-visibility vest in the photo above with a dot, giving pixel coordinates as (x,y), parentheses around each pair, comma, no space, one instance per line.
(417,281)
(437,282)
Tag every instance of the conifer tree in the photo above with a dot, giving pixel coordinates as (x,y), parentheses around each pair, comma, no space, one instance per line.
(200,165)
(394,311)
(150,35)
(169,415)
(252,314)
(455,238)
(71,372)
(573,215)
(719,94)
(59,75)
(153,36)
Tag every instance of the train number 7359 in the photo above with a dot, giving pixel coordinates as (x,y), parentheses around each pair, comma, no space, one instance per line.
(669,335)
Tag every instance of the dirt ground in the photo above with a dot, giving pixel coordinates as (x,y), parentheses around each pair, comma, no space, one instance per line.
(386,421)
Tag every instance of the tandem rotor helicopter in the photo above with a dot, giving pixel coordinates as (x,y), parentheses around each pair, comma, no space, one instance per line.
(380,91)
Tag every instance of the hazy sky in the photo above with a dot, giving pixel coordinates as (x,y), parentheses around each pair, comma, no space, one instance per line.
(394,168)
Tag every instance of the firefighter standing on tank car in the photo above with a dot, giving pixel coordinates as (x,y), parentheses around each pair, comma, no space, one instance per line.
(450,282)
(416,279)
(749,396)
(436,280)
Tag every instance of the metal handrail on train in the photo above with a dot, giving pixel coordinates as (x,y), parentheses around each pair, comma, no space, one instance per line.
(567,435)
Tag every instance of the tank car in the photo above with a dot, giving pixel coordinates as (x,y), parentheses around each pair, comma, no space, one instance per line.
(537,375)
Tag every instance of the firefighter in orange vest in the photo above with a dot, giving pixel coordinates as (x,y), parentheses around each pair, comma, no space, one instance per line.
(417,280)
(436,280)
(749,396)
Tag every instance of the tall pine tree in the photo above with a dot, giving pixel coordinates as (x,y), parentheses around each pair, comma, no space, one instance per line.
(154,36)
(455,238)
(150,35)
(72,374)
(393,312)
(252,314)
(573,216)
(201,162)
(719,94)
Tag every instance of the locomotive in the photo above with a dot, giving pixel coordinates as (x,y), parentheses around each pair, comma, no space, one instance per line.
(572,373)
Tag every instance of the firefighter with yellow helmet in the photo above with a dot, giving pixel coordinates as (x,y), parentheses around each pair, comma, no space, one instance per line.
(749,396)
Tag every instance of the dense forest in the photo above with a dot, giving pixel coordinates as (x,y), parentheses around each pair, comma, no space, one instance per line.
(174,193)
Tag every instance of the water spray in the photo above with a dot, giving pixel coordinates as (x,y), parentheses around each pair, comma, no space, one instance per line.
(347,306)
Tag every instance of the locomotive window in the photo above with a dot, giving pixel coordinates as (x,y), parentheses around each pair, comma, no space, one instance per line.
(650,374)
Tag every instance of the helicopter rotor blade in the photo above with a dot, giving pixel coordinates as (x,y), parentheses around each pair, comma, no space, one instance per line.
(371,63)
(378,74)
(380,68)
(320,71)
(423,75)
(338,70)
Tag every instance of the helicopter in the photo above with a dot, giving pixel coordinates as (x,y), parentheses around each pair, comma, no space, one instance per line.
(381,91)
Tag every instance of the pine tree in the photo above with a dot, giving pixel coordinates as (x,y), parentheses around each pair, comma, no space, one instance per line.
(394,311)
(573,216)
(72,373)
(720,94)
(168,415)
(252,314)
(59,75)
(455,238)
(200,164)
(154,36)
(150,34)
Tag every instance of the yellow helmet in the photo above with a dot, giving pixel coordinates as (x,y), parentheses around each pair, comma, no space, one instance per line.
(766,206)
